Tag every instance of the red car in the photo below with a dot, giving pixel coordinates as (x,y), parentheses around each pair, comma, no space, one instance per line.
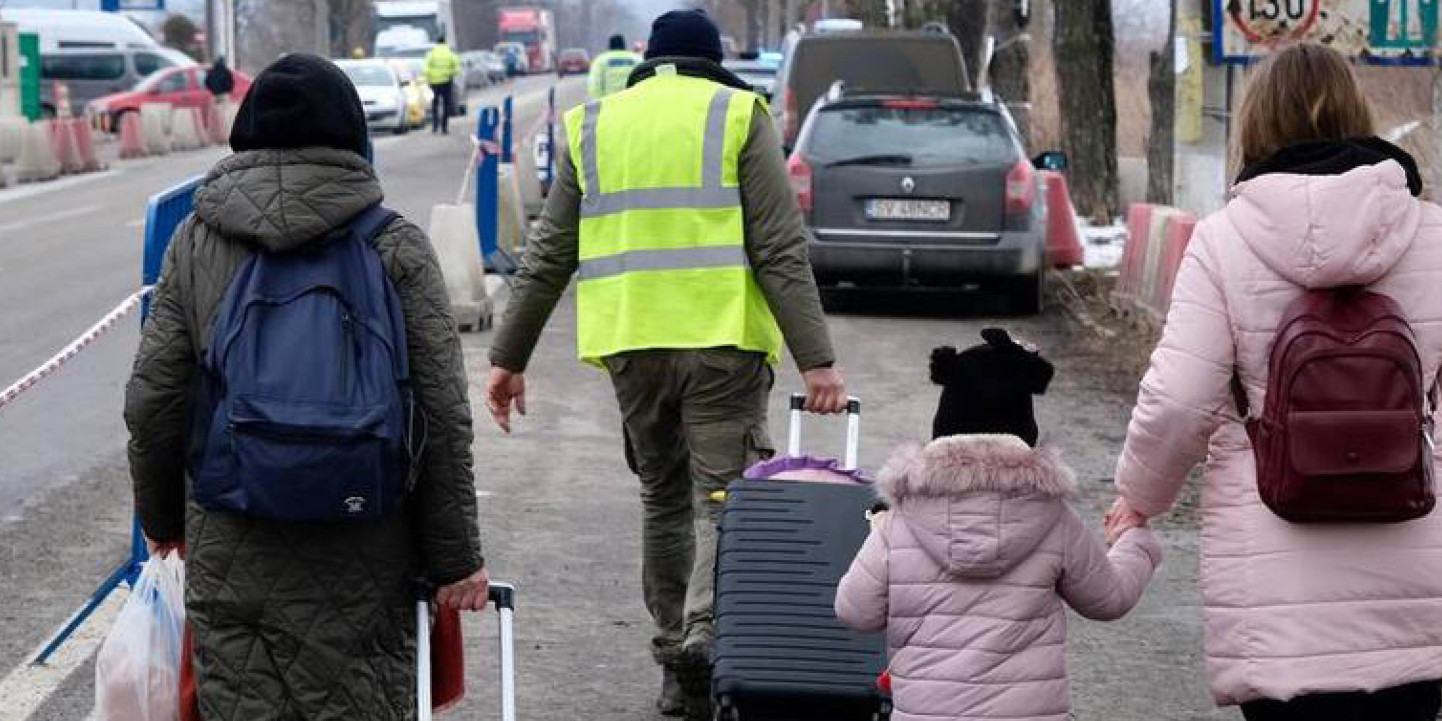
(180,87)
(574,61)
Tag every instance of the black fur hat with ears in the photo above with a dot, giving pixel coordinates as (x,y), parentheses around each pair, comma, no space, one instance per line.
(987,389)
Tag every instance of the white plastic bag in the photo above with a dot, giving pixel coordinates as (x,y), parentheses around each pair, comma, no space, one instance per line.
(137,674)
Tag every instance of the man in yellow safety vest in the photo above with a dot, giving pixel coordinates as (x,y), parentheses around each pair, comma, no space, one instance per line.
(673,210)
(611,69)
(442,67)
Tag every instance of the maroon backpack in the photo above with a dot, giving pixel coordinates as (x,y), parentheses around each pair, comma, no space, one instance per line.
(1346,434)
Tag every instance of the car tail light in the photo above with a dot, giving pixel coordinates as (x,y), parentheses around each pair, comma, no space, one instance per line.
(800,173)
(911,104)
(1020,187)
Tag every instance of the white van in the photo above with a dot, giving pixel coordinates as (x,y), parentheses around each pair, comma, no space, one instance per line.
(93,53)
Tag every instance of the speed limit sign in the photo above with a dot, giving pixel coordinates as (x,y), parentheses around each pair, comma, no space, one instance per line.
(1392,32)
(1268,22)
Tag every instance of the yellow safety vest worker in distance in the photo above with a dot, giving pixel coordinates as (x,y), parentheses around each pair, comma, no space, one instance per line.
(442,65)
(610,71)
(663,260)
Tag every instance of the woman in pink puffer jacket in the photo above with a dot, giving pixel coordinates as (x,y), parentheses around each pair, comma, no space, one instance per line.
(1302,621)
(971,571)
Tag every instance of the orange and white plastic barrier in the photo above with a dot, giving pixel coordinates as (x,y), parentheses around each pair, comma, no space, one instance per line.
(1157,238)
(132,139)
(83,140)
(1063,239)
(63,145)
(63,110)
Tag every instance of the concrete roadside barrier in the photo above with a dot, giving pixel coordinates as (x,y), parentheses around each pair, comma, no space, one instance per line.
(83,139)
(132,138)
(186,131)
(453,233)
(155,127)
(62,144)
(37,159)
(12,135)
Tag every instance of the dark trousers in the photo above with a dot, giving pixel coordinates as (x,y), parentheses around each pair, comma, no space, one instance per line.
(441,106)
(694,421)
(1414,702)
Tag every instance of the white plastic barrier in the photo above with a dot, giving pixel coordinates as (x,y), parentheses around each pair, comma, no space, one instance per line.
(37,159)
(511,226)
(155,127)
(187,130)
(453,232)
(12,136)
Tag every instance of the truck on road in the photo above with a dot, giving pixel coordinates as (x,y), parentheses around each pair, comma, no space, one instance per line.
(407,23)
(535,28)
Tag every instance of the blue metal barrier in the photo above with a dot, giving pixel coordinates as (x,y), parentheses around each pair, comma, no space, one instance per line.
(163,214)
(488,125)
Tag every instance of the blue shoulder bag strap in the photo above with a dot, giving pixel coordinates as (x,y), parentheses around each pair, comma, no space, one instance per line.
(367,225)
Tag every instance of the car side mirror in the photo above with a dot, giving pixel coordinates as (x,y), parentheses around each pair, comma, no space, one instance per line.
(1051,160)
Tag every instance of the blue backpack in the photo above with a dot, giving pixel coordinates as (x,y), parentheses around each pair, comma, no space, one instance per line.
(305,410)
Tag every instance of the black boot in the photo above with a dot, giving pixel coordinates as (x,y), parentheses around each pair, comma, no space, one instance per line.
(672,701)
(693,671)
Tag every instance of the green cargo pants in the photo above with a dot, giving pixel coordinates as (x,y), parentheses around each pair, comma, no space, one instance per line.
(694,420)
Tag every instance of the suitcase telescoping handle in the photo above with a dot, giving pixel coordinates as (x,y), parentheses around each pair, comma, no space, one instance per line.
(503,597)
(853,429)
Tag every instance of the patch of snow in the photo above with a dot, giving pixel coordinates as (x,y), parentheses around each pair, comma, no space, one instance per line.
(1103,244)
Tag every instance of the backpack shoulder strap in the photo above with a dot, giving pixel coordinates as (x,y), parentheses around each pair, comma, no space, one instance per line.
(370,222)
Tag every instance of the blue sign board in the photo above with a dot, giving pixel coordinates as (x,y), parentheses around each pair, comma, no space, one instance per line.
(112,6)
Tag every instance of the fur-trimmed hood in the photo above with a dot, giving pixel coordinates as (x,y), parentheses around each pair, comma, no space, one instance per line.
(977,504)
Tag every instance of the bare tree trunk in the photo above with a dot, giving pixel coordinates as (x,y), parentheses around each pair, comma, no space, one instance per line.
(1010,70)
(1084,44)
(1162,92)
(968,22)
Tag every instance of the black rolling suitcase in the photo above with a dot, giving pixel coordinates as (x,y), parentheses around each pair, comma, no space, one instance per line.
(780,653)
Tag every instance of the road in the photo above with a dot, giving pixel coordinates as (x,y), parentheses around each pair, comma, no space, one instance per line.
(559,511)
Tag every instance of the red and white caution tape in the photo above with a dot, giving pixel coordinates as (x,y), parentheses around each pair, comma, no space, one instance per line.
(33,378)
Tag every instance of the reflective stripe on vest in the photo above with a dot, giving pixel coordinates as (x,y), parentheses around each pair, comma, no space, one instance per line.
(663,262)
(711,194)
(725,256)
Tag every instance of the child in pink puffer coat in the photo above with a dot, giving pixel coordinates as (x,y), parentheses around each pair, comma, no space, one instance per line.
(969,571)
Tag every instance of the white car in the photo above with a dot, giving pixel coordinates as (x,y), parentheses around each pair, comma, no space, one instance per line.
(380,92)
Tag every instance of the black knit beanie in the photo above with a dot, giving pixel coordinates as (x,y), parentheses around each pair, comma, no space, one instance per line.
(685,34)
(987,389)
(618,42)
(301,101)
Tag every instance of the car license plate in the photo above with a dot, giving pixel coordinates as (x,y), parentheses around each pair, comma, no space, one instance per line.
(932,211)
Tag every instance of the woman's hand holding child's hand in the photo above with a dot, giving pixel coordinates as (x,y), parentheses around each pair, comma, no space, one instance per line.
(1120,519)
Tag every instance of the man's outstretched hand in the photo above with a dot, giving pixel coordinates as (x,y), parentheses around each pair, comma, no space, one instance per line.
(504,390)
(825,391)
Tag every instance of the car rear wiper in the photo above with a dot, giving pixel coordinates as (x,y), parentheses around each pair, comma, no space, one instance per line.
(884,159)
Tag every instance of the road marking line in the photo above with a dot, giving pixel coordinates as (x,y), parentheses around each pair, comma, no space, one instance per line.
(49,218)
(27,687)
(30,190)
